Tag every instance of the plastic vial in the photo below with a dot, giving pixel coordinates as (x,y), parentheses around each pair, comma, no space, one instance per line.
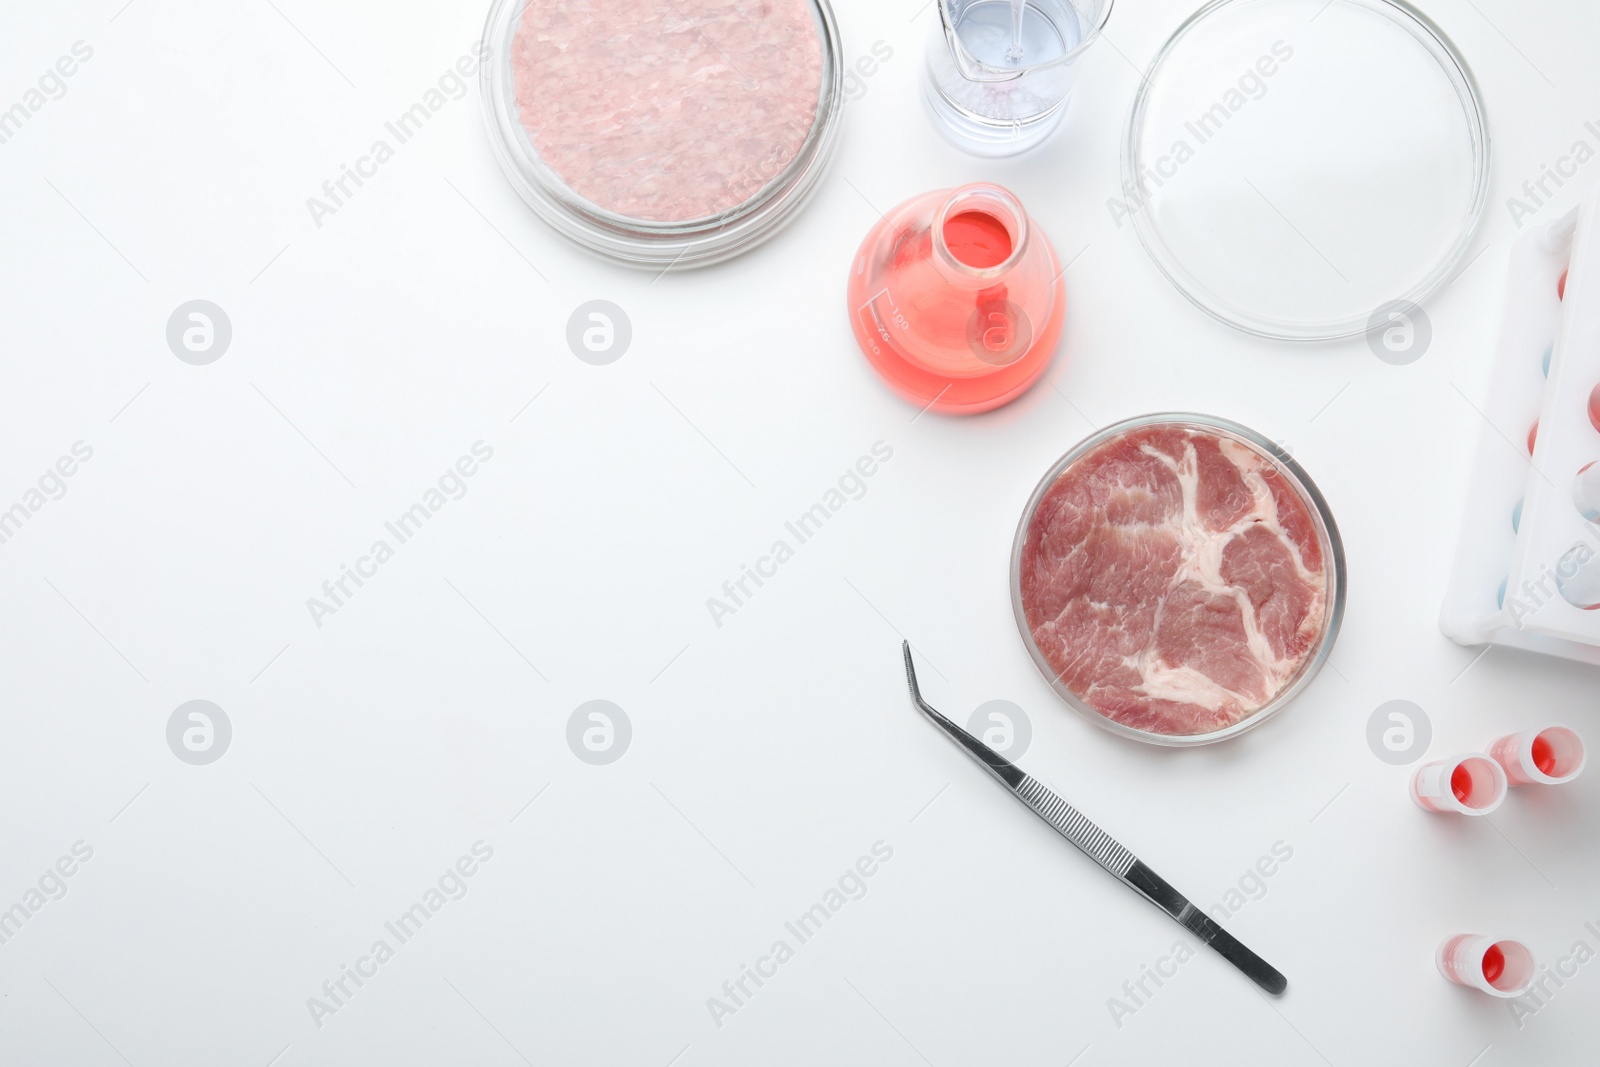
(1465,785)
(1546,756)
(1497,966)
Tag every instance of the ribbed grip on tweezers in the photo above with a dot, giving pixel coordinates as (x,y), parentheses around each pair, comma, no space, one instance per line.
(1070,824)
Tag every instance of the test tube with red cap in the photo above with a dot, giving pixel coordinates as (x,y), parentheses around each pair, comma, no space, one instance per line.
(1497,966)
(1465,785)
(1549,755)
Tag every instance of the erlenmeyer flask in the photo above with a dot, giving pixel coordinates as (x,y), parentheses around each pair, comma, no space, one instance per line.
(957,299)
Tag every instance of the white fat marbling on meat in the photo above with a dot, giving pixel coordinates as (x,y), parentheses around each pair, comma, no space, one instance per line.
(1202,551)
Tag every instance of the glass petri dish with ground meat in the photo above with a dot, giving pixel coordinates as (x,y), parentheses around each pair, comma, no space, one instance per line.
(1178,578)
(663,135)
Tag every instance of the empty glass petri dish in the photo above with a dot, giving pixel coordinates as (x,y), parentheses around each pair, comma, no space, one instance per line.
(1177,578)
(663,135)
(1297,168)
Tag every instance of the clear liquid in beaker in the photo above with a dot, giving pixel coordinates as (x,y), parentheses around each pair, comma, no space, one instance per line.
(1000,71)
(1007,33)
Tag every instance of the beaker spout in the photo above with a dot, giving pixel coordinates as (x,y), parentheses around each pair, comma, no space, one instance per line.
(1000,40)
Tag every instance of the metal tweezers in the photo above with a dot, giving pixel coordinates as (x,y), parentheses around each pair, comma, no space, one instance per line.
(1102,847)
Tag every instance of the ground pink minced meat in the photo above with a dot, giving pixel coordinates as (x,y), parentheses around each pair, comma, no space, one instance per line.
(667,110)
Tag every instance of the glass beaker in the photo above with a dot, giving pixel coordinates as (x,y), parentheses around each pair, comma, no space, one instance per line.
(1000,72)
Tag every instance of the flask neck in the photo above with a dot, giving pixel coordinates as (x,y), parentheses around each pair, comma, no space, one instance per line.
(980,233)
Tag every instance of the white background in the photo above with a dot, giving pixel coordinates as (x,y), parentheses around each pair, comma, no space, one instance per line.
(768,754)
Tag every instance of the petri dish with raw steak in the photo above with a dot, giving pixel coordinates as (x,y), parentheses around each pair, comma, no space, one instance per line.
(1178,578)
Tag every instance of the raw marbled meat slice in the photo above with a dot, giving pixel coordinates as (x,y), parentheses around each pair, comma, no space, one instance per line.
(1173,579)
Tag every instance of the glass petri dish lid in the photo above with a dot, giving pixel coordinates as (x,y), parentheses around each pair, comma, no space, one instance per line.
(663,135)
(1177,579)
(1298,167)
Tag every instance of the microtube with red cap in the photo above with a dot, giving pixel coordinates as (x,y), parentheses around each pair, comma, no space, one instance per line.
(1497,966)
(1465,785)
(1546,756)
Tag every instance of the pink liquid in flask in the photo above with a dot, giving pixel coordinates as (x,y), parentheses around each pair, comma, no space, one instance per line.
(956,299)
(977,239)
